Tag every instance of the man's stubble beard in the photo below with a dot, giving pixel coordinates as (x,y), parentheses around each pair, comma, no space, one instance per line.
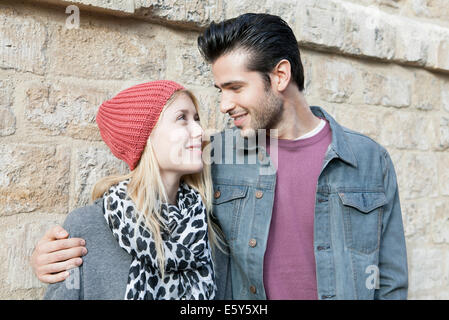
(268,114)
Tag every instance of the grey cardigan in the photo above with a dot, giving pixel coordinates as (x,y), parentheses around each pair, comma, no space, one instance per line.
(105,268)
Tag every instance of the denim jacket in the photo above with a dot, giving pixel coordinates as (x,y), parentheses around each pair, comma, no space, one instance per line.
(359,243)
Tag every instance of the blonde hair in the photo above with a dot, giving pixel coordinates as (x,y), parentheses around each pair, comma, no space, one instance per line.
(147,191)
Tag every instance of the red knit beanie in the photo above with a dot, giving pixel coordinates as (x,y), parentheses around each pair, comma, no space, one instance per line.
(126,121)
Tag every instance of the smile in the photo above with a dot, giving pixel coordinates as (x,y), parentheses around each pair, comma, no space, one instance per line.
(239,119)
(194,148)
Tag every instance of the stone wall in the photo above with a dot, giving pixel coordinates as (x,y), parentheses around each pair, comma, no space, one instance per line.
(380,67)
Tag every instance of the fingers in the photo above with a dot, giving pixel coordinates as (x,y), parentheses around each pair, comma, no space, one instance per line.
(57,232)
(60,267)
(56,245)
(52,267)
(54,254)
(61,255)
(53,278)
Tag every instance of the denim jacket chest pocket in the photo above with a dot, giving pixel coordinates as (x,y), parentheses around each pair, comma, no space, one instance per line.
(228,203)
(362,214)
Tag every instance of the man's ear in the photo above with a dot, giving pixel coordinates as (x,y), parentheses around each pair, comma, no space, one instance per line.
(281,75)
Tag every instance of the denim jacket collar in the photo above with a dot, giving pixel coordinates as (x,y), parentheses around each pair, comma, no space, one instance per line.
(339,145)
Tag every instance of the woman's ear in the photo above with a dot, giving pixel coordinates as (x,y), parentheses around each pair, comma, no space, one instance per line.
(281,75)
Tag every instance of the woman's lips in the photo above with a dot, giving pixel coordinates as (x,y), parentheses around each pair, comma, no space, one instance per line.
(196,148)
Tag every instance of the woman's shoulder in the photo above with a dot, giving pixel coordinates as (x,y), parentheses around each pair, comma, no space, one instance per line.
(80,218)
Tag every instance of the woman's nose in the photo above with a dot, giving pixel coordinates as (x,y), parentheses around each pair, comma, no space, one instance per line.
(197,130)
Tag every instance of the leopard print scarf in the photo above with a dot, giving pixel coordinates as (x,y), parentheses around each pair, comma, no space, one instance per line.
(189,270)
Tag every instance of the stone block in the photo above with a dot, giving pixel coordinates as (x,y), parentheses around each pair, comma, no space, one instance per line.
(363,120)
(407,130)
(443,51)
(427,268)
(308,61)
(22,43)
(412,44)
(416,215)
(390,3)
(444,133)
(67,108)
(6,91)
(209,104)
(443,173)
(91,164)
(417,175)
(426,91)
(369,32)
(440,223)
(320,24)
(286,9)
(385,89)
(335,80)
(33,178)
(431,9)
(19,235)
(7,121)
(190,13)
(188,66)
(7,116)
(106,52)
(445,95)
(117,6)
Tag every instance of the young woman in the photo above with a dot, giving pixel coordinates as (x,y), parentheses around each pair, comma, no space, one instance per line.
(147,233)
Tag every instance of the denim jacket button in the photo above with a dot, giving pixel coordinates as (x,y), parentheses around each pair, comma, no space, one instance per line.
(252,243)
(259,194)
(261,156)
(253,289)
(217,194)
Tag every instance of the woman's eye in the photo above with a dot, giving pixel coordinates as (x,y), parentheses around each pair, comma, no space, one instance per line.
(181,117)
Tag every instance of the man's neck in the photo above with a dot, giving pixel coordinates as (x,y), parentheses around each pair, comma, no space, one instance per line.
(297,118)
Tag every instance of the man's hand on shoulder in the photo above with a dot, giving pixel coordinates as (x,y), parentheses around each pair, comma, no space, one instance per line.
(55,253)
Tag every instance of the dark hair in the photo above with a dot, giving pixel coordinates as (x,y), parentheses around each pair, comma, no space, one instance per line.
(267,38)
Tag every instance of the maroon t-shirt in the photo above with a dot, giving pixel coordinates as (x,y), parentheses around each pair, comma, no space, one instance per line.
(289,262)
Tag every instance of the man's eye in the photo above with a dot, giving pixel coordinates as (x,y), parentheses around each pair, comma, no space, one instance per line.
(235,88)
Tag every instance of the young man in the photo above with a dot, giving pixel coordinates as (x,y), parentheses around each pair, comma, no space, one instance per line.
(326,224)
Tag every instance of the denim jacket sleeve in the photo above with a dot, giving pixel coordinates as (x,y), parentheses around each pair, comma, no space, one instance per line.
(393,270)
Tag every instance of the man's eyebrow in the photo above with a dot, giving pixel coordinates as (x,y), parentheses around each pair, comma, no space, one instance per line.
(229,83)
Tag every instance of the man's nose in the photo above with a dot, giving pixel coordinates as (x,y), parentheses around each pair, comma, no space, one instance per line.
(226,105)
